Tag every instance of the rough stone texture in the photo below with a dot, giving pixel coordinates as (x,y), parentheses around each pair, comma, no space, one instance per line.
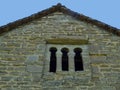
(23,50)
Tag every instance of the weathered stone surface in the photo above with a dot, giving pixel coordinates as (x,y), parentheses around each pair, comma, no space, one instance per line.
(32,59)
(99,59)
(34,68)
(7,78)
(24,59)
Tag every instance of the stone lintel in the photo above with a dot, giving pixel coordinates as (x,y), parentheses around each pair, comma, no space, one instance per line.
(67,41)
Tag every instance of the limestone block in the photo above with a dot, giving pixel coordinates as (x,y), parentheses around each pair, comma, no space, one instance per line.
(34,68)
(32,59)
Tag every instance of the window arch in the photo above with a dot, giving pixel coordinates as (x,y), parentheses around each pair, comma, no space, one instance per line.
(83,53)
(53,59)
(64,59)
(78,59)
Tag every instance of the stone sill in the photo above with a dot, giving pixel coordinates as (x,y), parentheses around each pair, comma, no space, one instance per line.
(69,73)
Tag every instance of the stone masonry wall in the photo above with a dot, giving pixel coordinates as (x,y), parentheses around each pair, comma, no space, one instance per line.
(22,56)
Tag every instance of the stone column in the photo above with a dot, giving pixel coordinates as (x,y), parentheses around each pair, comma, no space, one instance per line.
(59,55)
(71,60)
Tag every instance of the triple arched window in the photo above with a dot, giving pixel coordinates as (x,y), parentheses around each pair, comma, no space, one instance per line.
(78,62)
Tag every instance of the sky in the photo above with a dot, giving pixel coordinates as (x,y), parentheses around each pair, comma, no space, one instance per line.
(106,11)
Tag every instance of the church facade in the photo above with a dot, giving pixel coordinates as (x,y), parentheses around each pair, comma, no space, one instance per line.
(59,49)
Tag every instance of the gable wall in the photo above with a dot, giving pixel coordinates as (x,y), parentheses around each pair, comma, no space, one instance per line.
(22,53)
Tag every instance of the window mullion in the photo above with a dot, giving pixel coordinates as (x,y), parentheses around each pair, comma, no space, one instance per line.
(71,60)
(59,63)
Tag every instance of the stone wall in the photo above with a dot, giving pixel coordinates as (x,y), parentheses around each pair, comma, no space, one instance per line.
(22,56)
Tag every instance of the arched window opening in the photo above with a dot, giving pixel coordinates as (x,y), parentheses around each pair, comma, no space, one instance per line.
(78,59)
(53,59)
(64,59)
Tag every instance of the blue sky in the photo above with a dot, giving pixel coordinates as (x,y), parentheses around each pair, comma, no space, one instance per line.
(106,11)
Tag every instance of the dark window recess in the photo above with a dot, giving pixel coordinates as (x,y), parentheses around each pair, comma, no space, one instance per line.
(53,59)
(78,59)
(64,59)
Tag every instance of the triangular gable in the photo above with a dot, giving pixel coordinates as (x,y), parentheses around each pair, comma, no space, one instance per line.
(63,9)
